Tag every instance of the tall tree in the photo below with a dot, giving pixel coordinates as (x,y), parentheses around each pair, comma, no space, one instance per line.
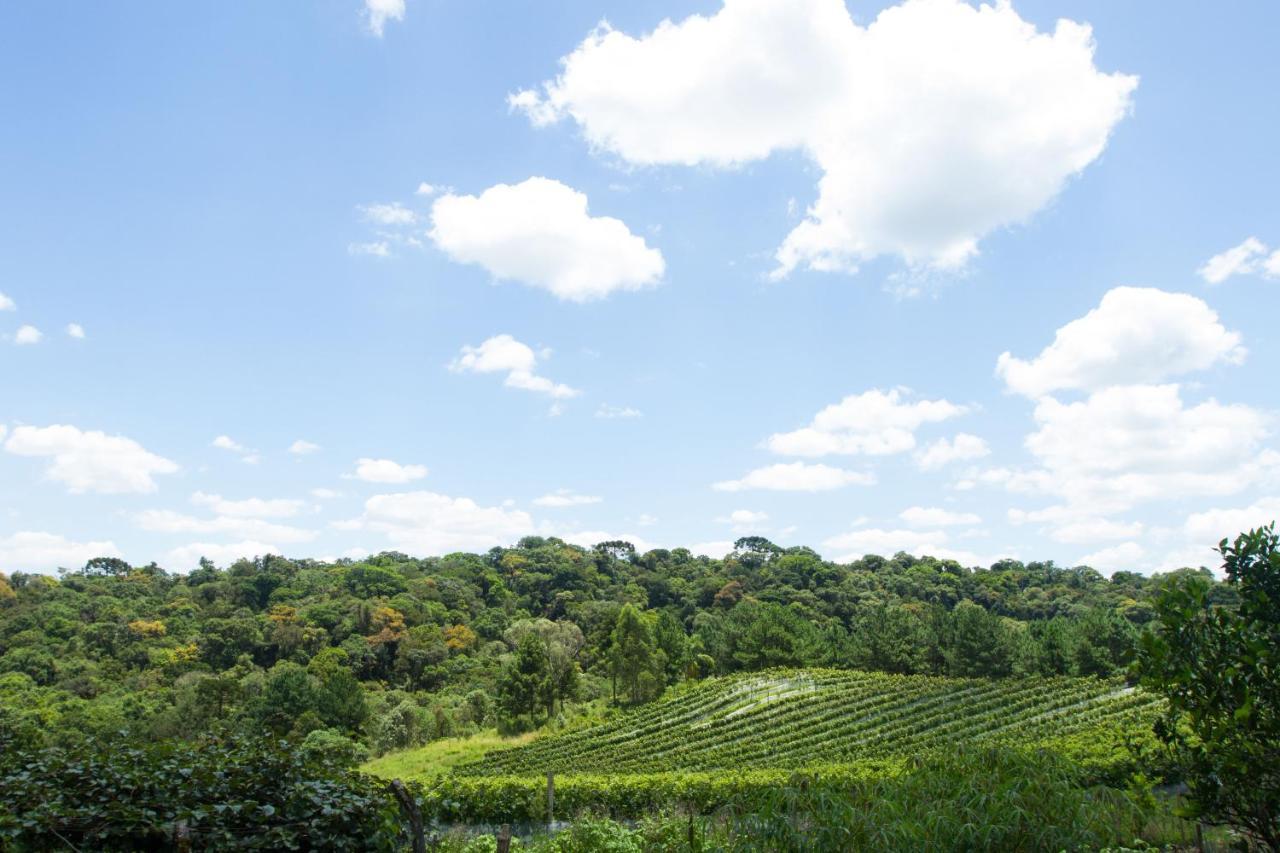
(637,667)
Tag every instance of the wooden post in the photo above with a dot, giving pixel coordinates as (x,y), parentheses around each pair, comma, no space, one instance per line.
(182,837)
(504,839)
(409,806)
(551,799)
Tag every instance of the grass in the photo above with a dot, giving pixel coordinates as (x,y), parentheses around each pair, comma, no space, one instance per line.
(440,756)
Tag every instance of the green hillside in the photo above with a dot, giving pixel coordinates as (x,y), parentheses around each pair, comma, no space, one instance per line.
(790,719)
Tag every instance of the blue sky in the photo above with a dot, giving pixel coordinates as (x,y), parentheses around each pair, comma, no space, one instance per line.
(645,260)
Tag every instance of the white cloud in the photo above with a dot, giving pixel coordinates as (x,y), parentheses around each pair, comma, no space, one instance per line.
(1127,556)
(744,518)
(168,521)
(7,304)
(921,516)
(875,423)
(387,471)
(426,523)
(247,456)
(1213,525)
(1077,525)
(1135,335)
(944,451)
(592,538)
(27,335)
(249,507)
(377,248)
(505,354)
(389,214)
(715,549)
(301,447)
(29,551)
(427,189)
(188,556)
(1136,443)
(919,543)
(378,12)
(325,494)
(745,521)
(565,498)
(610,412)
(539,232)
(796,477)
(933,126)
(1250,257)
(646,520)
(91,461)
(76,331)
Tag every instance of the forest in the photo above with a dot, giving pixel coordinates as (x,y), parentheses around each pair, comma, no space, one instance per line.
(275,669)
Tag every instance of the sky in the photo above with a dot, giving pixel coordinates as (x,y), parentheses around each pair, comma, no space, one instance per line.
(330,278)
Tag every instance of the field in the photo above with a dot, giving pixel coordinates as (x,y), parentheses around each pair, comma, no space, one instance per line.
(766,727)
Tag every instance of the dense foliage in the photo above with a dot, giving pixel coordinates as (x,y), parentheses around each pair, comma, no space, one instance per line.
(1220,667)
(234,702)
(392,651)
(234,794)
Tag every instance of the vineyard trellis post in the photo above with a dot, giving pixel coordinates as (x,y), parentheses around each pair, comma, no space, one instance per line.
(504,838)
(409,806)
(551,799)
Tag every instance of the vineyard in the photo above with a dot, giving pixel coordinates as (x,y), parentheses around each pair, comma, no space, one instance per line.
(833,726)
(816,717)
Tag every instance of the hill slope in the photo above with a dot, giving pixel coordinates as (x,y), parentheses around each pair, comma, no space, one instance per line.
(801,718)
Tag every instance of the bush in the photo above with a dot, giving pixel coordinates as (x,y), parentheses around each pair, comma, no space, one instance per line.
(237,794)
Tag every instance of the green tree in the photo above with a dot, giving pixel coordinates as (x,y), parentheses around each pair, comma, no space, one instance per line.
(636,666)
(1219,667)
(523,684)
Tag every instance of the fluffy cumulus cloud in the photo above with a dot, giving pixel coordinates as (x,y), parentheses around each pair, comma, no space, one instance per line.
(91,461)
(932,126)
(1129,444)
(796,477)
(387,471)
(1252,257)
(43,552)
(519,361)
(874,423)
(1213,525)
(378,12)
(27,335)
(426,523)
(1135,335)
(561,498)
(301,447)
(540,233)
(932,516)
(7,304)
(75,330)
(944,451)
